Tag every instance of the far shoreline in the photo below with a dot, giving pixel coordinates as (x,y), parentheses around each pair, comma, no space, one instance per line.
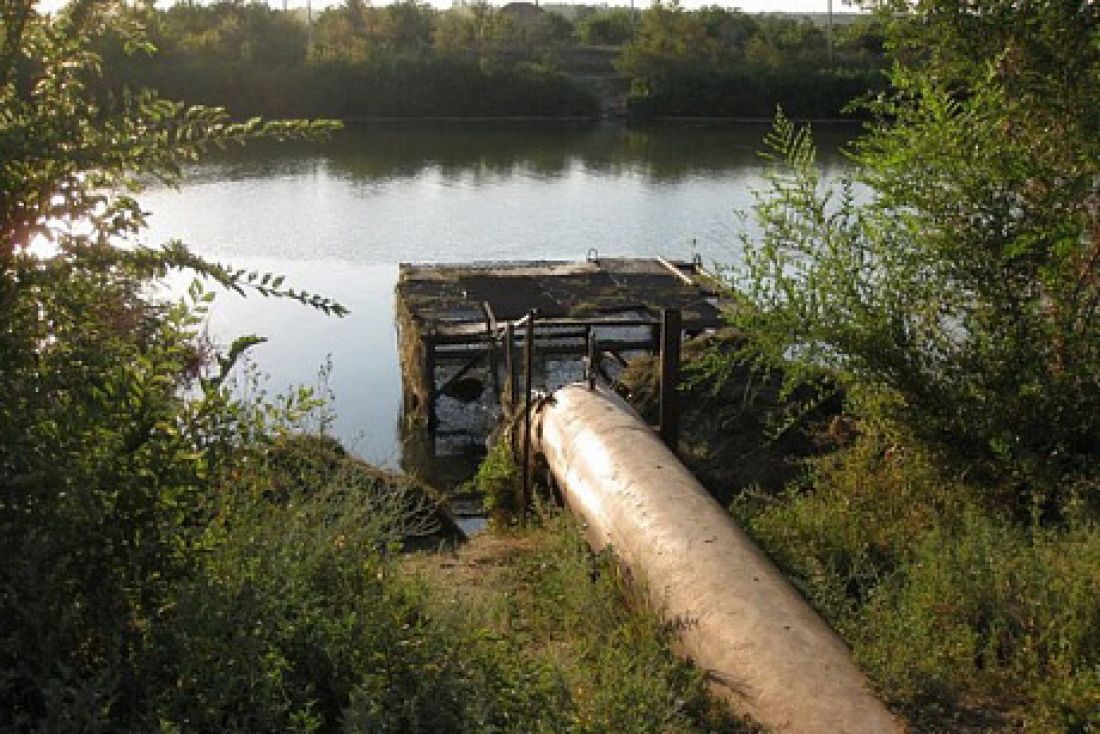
(624,121)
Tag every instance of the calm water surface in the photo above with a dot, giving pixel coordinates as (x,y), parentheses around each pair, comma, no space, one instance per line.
(336,218)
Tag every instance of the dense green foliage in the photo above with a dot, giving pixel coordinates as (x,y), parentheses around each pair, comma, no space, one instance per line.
(754,93)
(717,62)
(961,299)
(608,26)
(400,60)
(399,87)
(498,480)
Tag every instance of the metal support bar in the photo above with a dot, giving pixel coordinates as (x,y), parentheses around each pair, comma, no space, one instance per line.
(528,368)
(676,271)
(491,348)
(615,355)
(429,379)
(465,331)
(670,376)
(575,348)
(591,364)
(510,363)
(494,372)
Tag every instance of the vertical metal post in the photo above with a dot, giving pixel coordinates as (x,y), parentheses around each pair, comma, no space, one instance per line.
(510,364)
(494,374)
(670,376)
(528,359)
(491,350)
(429,379)
(591,366)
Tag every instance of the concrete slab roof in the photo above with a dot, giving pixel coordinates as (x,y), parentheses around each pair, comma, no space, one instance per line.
(443,296)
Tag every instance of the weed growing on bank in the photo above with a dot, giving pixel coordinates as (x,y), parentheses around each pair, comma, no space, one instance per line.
(287,611)
(498,479)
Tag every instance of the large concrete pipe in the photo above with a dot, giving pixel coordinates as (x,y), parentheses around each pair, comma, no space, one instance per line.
(743,623)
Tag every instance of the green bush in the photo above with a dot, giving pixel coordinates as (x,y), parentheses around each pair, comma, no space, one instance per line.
(749,92)
(299,619)
(949,287)
(611,27)
(391,85)
(957,294)
(714,62)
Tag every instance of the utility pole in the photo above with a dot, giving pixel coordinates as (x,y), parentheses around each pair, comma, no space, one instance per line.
(829,33)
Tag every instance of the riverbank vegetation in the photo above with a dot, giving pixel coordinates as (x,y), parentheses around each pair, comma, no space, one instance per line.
(714,62)
(408,59)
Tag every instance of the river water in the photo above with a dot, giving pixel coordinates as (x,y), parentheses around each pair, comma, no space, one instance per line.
(336,218)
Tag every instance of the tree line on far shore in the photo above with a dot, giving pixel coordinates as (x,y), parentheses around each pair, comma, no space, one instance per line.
(408,59)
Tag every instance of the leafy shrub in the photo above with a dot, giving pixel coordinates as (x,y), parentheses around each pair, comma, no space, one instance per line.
(750,92)
(612,27)
(957,294)
(391,87)
(949,285)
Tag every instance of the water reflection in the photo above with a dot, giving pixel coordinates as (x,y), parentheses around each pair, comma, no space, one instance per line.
(485,152)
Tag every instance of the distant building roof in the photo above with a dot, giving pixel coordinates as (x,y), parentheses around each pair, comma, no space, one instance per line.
(522,11)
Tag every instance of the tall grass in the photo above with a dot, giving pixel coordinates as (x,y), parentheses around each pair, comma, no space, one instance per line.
(570,611)
(574,610)
(965,617)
